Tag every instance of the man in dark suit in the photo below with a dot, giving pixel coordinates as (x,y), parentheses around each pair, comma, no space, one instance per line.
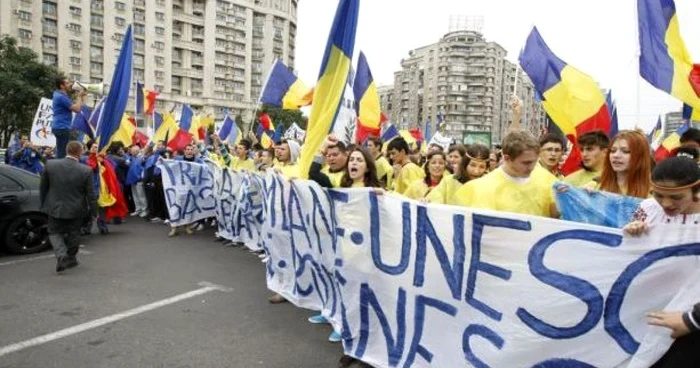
(67,196)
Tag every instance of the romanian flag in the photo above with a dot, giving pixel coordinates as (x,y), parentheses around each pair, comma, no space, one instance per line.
(115,103)
(671,143)
(226,128)
(183,136)
(125,132)
(81,123)
(367,105)
(689,113)
(283,89)
(265,141)
(656,134)
(266,122)
(390,132)
(664,60)
(332,79)
(95,115)
(571,98)
(166,130)
(612,109)
(145,100)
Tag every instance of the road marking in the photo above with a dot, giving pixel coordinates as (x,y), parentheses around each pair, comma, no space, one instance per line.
(40,340)
(48,256)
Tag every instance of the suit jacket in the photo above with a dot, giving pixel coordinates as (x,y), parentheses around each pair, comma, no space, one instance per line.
(67,190)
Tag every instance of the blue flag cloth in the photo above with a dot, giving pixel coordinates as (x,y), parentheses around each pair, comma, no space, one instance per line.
(596,208)
(115,104)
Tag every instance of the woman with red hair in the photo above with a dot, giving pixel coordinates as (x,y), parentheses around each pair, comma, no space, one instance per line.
(627,169)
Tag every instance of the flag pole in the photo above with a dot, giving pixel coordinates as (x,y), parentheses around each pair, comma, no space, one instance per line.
(638,54)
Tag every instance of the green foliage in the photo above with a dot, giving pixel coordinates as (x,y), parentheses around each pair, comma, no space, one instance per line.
(24,80)
(284,117)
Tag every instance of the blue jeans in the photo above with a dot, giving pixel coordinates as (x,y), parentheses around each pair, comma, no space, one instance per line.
(63,136)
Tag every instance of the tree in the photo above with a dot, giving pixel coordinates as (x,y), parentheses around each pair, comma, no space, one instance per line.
(284,117)
(24,80)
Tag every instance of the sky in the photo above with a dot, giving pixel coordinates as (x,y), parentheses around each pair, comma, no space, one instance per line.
(598,37)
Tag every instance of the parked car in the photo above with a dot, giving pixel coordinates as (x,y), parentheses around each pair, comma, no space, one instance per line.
(23,228)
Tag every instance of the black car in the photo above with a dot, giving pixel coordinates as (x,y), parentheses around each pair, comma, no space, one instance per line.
(23,228)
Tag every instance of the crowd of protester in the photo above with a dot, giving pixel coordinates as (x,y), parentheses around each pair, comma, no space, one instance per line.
(517,177)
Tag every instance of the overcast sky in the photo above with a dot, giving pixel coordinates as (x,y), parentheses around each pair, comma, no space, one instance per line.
(598,37)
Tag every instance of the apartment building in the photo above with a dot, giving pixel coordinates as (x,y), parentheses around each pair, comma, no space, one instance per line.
(210,54)
(469,80)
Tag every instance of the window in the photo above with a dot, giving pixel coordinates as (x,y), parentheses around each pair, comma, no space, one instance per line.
(160,3)
(96,5)
(139,45)
(49,42)
(8,185)
(74,60)
(138,74)
(139,15)
(96,36)
(160,16)
(50,26)
(25,34)
(159,45)
(175,81)
(96,52)
(50,59)
(74,27)
(75,44)
(120,6)
(139,29)
(23,15)
(160,31)
(96,68)
(159,74)
(138,59)
(119,21)
(160,61)
(96,20)
(119,38)
(49,8)
(74,10)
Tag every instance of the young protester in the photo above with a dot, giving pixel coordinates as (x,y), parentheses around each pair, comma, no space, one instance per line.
(454,157)
(627,168)
(473,166)
(435,169)
(551,151)
(110,198)
(676,200)
(405,171)
(267,159)
(520,185)
(385,171)
(594,146)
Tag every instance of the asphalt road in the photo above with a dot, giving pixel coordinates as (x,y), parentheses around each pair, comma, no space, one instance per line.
(138,300)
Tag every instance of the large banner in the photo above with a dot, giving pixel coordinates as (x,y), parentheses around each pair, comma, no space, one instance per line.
(412,285)
(189,191)
(41,127)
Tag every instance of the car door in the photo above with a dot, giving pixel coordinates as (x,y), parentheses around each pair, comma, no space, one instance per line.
(12,197)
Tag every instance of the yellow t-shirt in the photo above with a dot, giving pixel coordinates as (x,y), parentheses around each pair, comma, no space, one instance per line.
(444,192)
(384,169)
(499,192)
(247,164)
(581,177)
(335,177)
(216,158)
(289,171)
(417,190)
(408,174)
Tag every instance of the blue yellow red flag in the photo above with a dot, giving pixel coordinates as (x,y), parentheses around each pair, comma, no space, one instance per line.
(332,80)
(284,89)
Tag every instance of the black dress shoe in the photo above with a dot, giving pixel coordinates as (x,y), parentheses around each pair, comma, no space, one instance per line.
(61,264)
(72,262)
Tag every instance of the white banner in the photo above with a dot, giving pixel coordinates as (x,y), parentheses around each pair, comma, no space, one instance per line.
(189,191)
(436,286)
(295,132)
(41,127)
(441,140)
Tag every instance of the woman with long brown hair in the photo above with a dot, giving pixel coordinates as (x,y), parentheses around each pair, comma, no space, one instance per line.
(473,165)
(627,169)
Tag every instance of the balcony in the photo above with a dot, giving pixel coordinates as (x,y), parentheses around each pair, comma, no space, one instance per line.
(188,45)
(198,34)
(197,60)
(198,8)
(186,72)
(50,30)
(48,47)
(140,3)
(179,15)
(96,40)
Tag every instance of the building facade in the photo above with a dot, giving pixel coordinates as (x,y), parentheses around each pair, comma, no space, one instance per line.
(674,120)
(210,54)
(469,81)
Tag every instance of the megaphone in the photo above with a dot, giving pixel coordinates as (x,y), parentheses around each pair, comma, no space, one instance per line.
(93,88)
